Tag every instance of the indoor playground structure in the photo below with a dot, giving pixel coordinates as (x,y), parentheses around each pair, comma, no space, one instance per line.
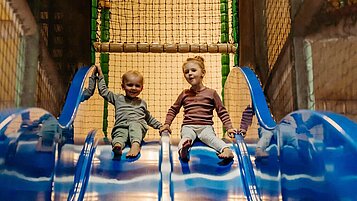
(43,157)
(310,159)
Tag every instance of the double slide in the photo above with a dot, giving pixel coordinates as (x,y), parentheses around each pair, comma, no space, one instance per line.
(312,157)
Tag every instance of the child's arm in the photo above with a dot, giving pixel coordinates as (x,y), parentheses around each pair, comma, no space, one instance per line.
(246,121)
(222,112)
(103,89)
(88,92)
(172,112)
(151,121)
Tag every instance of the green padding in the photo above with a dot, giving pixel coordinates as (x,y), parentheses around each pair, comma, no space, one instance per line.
(224,79)
(105,36)
(106,78)
(225,59)
(94,3)
(106,25)
(235,37)
(105,123)
(224,8)
(235,7)
(224,38)
(225,70)
(106,15)
(104,58)
(105,110)
(236,59)
(93,25)
(224,1)
(224,17)
(92,59)
(105,70)
(235,20)
(94,12)
(224,27)
(93,35)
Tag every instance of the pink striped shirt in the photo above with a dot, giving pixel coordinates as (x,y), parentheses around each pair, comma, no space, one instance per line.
(198,108)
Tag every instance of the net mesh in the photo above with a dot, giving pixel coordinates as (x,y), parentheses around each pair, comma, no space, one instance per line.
(12,57)
(157,22)
(174,21)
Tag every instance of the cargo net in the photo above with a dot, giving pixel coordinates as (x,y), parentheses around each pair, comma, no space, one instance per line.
(155,38)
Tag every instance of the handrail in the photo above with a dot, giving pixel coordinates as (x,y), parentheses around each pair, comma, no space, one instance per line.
(260,105)
(165,163)
(83,168)
(246,168)
(8,116)
(74,97)
(340,124)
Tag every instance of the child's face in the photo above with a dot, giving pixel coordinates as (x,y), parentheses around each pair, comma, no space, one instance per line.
(133,85)
(193,73)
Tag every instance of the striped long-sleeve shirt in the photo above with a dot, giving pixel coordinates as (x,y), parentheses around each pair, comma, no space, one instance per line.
(247,118)
(198,108)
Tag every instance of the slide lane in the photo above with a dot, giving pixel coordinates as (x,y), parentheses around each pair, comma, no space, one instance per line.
(28,145)
(205,176)
(310,158)
(311,155)
(127,179)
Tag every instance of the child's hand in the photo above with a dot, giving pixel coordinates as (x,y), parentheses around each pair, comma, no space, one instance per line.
(99,70)
(242,132)
(94,70)
(231,132)
(165,127)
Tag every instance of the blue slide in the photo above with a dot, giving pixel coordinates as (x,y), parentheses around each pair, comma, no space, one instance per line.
(311,157)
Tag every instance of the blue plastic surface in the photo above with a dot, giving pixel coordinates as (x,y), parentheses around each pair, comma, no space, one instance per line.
(311,157)
(28,142)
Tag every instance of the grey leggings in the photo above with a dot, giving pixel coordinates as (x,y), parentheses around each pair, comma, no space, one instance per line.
(203,132)
(132,132)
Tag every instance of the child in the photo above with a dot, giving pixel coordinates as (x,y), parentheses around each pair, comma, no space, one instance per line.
(265,135)
(131,115)
(198,103)
(88,92)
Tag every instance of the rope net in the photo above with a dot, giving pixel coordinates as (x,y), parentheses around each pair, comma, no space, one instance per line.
(157,22)
(160,21)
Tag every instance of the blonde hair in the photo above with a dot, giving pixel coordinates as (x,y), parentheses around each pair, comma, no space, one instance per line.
(131,73)
(198,60)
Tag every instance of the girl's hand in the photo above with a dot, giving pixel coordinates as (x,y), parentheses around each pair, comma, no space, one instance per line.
(242,132)
(95,70)
(231,132)
(165,127)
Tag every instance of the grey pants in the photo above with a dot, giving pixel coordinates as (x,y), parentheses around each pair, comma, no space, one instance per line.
(132,132)
(265,137)
(203,132)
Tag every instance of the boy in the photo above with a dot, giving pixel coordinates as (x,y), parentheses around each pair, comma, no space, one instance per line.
(131,115)
(88,92)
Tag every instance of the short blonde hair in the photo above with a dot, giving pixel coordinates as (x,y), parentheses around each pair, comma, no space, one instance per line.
(198,60)
(132,73)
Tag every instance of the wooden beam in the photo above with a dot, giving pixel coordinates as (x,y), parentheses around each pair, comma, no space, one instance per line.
(165,48)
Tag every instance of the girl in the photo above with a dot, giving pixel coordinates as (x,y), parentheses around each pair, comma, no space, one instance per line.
(199,102)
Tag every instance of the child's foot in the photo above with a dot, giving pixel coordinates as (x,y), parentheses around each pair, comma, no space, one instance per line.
(226,154)
(184,150)
(134,150)
(117,150)
(259,153)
